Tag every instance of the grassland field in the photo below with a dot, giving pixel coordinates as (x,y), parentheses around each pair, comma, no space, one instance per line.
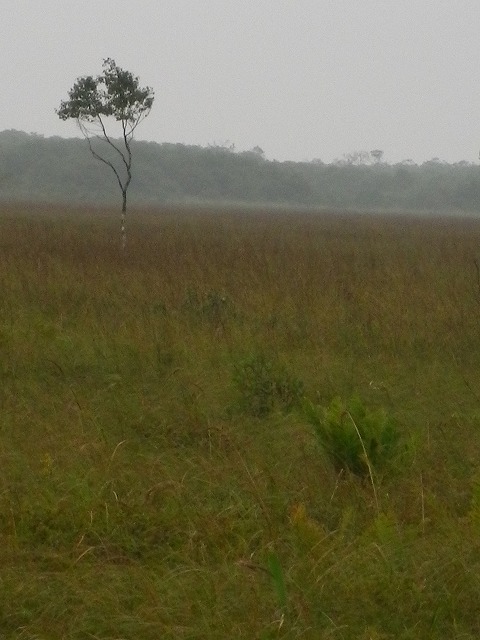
(159,475)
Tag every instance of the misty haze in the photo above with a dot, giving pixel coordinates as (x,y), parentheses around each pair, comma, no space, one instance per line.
(57,170)
(247,405)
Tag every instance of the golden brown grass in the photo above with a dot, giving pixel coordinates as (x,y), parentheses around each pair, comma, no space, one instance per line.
(140,499)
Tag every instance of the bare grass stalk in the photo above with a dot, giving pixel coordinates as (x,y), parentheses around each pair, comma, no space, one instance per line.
(367,461)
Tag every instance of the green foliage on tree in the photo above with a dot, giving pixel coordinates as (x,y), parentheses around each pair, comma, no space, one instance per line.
(93,101)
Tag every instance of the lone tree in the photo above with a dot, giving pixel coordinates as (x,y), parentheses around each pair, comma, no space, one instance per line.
(95,101)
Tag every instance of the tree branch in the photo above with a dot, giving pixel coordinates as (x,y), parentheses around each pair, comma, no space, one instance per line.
(100,158)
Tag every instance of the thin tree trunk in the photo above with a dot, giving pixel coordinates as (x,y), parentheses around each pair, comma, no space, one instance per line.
(124,221)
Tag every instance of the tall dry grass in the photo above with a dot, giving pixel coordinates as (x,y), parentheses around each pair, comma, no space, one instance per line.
(140,498)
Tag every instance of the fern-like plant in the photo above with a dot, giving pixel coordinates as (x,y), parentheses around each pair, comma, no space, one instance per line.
(355,438)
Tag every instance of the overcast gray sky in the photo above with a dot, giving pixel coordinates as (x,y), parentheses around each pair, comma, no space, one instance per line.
(302,79)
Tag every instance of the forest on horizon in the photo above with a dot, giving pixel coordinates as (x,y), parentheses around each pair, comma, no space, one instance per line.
(54,169)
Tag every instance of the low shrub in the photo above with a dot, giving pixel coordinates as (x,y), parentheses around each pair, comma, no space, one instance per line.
(264,386)
(352,436)
(215,307)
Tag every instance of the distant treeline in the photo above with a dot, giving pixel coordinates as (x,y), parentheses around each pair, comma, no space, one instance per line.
(34,168)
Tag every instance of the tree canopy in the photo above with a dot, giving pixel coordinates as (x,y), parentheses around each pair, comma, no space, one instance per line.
(115,93)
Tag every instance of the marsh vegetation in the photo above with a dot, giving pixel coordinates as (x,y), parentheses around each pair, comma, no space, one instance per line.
(167,467)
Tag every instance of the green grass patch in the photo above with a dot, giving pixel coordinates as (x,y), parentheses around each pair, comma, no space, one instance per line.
(250,425)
